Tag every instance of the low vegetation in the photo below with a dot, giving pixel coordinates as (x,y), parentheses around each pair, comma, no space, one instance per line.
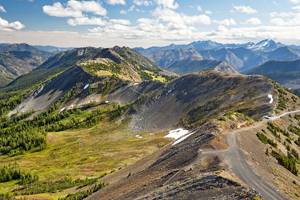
(294,129)
(54,186)
(83,194)
(289,162)
(264,139)
(12,172)
(7,197)
(282,100)
(285,137)
(20,135)
(275,130)
(9,100)
(298,141)
(152,76)
(86,152)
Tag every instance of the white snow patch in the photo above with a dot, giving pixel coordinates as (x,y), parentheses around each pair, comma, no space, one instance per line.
(182,139)
(270,96)
(179,135)
(86,86)
(139,136)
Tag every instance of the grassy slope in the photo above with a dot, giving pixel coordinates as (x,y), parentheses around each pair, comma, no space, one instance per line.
(86,153)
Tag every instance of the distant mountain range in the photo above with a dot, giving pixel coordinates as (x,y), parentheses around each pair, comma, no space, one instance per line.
(52,49)
(19,59)
(193,66)
(242,57)
(284,72)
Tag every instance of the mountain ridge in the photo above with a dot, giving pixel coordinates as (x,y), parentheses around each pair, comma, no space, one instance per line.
(242,57)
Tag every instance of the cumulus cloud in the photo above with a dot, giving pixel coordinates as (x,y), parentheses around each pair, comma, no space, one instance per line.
(171,4)
(2,9)
(294,1)
(253,21)
(244,9)
(114,2)
(284,34)
(142,2)
(226,22)
(174,19)
(291,18)
(86,21)
(165,24)
(74,9)
(10,26)
(147,33)
(123,12)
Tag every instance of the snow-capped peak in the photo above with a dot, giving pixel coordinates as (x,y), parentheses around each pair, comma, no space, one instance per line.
(265,45)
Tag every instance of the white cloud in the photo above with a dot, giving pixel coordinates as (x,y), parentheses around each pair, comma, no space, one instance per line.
(97,21)
(148,32)
(226,22)
(297,7)
(294,1)
(245,9)
(285,34)
(2,9)
(173,19)
(123,12)
(253,21)
(58,10)
(13,26)
(142,2)
(171,4)
(86,21)
(199,8)
(114,2)
(165,25)
(285,18)
(74,9)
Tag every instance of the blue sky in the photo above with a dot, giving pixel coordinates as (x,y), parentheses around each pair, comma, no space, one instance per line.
(147,22)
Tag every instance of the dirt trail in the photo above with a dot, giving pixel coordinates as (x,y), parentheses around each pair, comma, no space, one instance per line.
(236,160)
(239,166)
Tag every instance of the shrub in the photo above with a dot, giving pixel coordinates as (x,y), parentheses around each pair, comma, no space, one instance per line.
(294,129)
(264,139)
(298,141)
(12,172)
(54,186)
(275,130)
(83,194)
(289,162)
(7,197)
